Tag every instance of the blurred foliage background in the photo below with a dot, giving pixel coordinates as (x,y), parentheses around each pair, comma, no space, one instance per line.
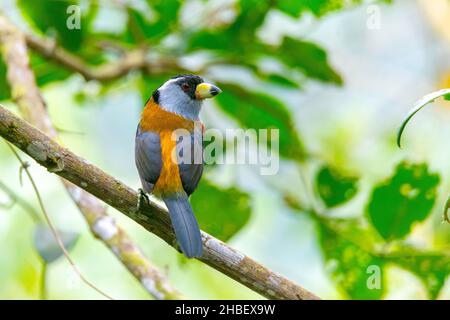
(348,216)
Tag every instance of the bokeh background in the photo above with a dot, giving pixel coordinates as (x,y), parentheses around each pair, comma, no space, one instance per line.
(336,77)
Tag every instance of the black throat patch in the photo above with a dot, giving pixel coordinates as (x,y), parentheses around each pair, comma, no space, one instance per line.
(155,96)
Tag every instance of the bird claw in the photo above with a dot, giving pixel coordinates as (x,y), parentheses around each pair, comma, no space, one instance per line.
(141,197)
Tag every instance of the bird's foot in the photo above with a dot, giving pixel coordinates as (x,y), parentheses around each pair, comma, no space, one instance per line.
(142,197)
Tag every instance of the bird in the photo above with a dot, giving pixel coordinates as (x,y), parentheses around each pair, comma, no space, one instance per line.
(170,125)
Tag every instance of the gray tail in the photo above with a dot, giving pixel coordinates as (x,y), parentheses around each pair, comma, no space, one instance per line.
(185,225)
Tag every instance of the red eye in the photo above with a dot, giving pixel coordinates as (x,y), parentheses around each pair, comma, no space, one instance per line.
(185,87)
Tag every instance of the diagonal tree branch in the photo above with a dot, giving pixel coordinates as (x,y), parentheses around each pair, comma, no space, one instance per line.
(133,60)
(27,96)
(152,217)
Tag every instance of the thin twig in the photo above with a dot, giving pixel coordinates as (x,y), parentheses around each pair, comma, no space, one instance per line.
(21,202)
(67,131)
(52,227)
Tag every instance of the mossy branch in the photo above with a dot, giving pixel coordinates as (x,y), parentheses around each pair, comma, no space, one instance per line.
(152,217)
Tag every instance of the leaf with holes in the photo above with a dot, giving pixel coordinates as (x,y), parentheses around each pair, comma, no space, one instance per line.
(220,212)
(335,188)
(354,270)
(46,245)
(432,269)
(402,200)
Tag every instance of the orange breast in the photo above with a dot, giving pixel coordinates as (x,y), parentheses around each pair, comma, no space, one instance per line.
(169,180)
(165,123)
(155,119)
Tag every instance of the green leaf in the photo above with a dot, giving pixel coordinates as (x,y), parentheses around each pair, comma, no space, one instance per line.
(260,111)
(5,90)
(280,80)
(308,58)
(404,199)
(293,8)
(447,96)
(318,7)
(47,71)
(209,40)
(167,11)
(355,271)
(322,7)
(140,29)
(46,245)
(432,269)
(220,212)
(303,56)
(335,188)
(237,40)
(52,16)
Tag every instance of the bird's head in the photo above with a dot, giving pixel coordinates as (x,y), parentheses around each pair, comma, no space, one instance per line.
(184,95)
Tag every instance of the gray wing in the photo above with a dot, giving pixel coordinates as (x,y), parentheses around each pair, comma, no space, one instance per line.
(148,158)
(190,150)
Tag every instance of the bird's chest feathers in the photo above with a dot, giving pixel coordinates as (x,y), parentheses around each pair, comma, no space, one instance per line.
(165,123)
(169,180)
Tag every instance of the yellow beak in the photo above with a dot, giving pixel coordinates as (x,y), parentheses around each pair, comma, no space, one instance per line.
(206,90)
